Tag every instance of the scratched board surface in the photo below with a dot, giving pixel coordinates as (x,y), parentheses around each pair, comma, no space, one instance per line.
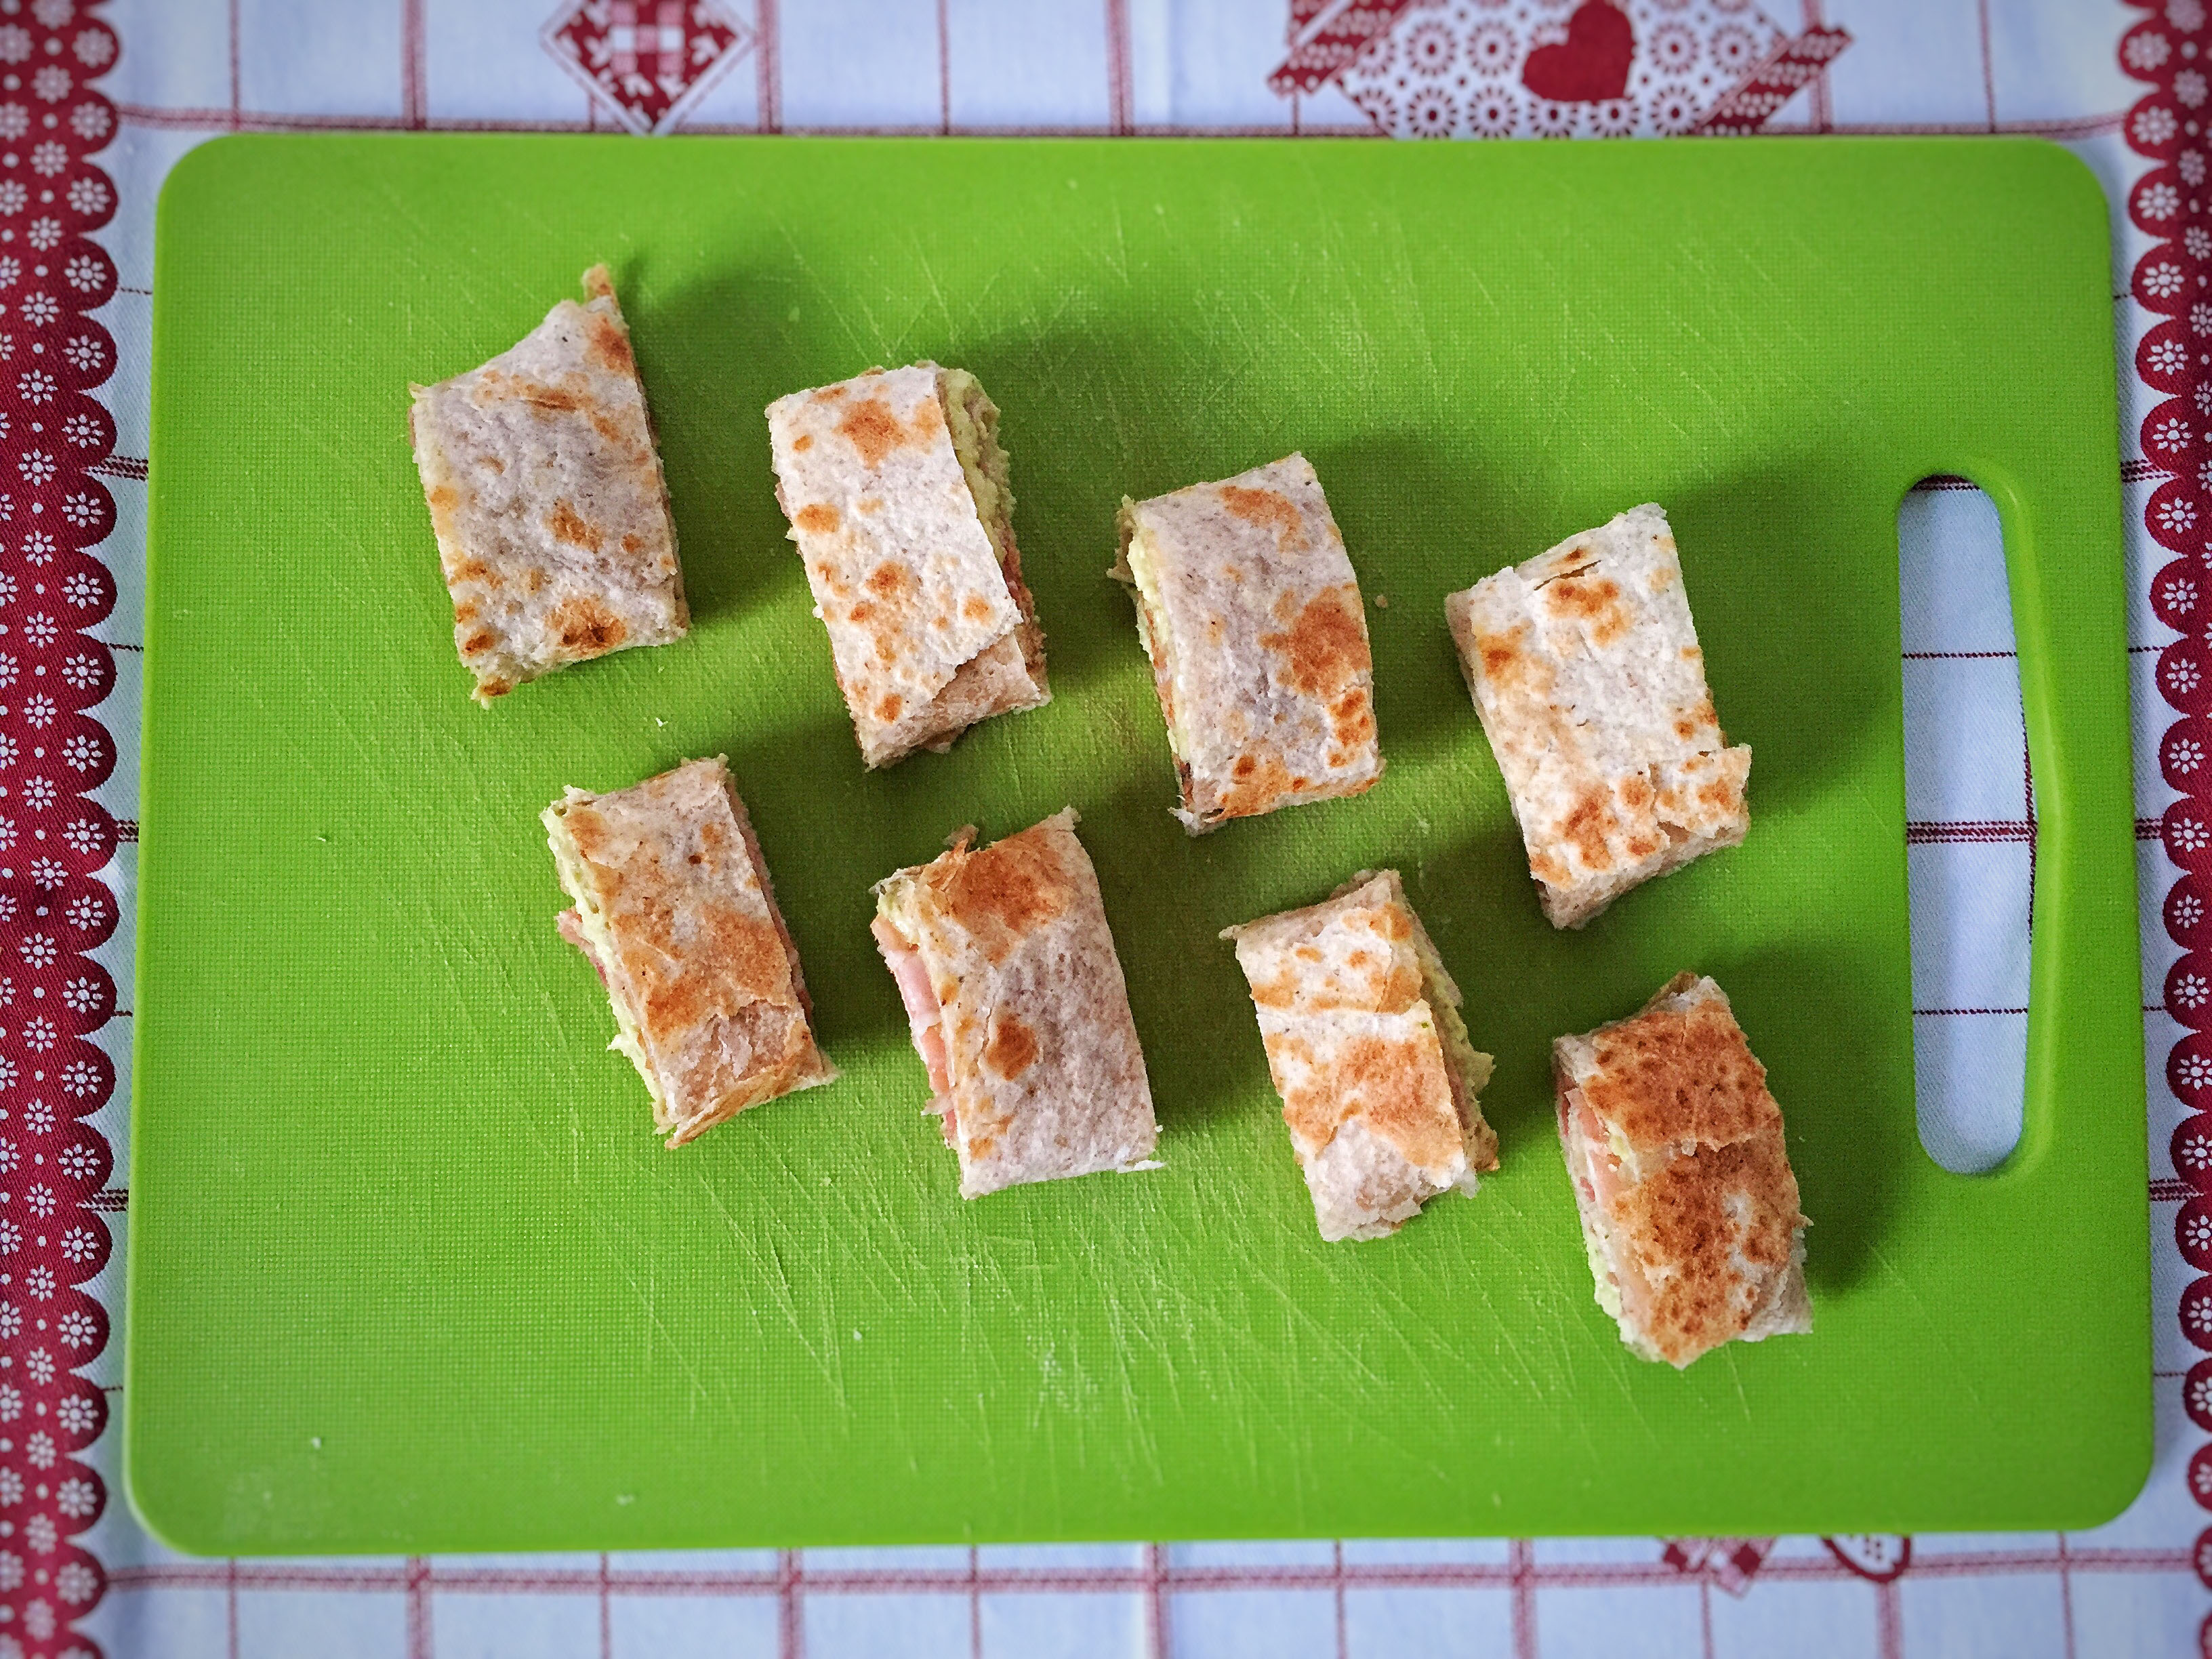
(408,1270)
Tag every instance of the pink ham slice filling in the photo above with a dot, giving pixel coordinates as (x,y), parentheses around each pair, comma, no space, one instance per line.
(1601,1185)
(924,1018)
(572,929)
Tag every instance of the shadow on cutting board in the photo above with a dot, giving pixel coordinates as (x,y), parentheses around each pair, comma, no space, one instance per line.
(713,355)
(1848,1165)
(1785,605)
(1415,524)
(1809,1015)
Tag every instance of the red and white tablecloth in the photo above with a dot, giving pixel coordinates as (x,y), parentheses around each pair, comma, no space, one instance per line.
(98,99)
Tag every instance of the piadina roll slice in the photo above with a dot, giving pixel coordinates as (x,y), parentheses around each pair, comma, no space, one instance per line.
(1250,610)
(1682,1174)
(546,491)
(1379,1082)
(1586,671)
(899,501)
(1018,1010)
(673,907)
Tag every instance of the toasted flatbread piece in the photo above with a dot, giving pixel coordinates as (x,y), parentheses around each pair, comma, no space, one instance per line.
(1689,1207)
(546,491)
(1018,1009)
(674,908)
(896,491)
(1250,612)
(1367,1048)
(1585,670)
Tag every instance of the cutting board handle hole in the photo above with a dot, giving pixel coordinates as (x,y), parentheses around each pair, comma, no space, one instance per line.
(1970,825)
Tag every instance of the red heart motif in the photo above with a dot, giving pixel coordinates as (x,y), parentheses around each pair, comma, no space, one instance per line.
(1591,64)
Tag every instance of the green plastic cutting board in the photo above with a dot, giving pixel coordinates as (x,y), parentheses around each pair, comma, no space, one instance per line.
(408,1270)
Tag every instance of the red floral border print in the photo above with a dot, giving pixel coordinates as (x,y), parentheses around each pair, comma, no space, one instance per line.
(54,839)
(2171,50)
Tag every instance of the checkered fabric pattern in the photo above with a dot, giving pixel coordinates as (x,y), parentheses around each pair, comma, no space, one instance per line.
(98,99)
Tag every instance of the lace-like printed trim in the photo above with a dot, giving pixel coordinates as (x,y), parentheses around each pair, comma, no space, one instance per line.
(54,839)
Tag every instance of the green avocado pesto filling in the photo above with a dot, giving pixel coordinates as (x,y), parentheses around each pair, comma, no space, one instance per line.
(894,904)
(973,421)
(592,923)
(1470,1068)
(1140,560)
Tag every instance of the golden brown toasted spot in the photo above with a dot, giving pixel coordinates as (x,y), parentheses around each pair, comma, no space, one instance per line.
(1396,1086)
(1257,782)
(444,498)
(1269,509)
(1585,827)
(1324,650)
(872,429)
(613,431)
(802,443)
(888,710)
(890,578)
(818,517)
(1278,993)
(1299,783)
(1012,1048)
(569,526)
(1504,661)
(495,463)
(556,398)
(1661,580)
(1719,795)
(631,541)
(1637,792)
(1398,922)
(1673,1075)
(1546,867)
(466,611)
(1005,890)
(1352,721)
(470,568)
(869,504)
(862,611)
(1306,953)
(730,960)
(532,580)
(586,626)
(494,688)
(1695,1217)
(1684,729)
(477,642)
(1643,847)
(1596,604)
(975,608)
(606,345)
